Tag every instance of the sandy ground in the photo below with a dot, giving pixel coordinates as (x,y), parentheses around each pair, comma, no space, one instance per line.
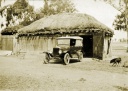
(30,74)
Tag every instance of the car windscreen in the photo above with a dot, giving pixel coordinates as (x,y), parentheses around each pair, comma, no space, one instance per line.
(63,41)
(79,43)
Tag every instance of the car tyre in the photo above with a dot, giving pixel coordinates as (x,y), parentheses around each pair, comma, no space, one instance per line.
(80,56)
(46,58)
(66,58)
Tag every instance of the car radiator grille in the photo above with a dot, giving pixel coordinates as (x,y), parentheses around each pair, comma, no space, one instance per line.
(55,51)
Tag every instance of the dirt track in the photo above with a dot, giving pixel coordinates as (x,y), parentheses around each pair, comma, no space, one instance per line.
(88,75)
(30,74)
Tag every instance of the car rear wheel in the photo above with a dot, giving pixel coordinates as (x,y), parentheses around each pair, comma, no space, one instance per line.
(46,58)
(66,58)
(80,56)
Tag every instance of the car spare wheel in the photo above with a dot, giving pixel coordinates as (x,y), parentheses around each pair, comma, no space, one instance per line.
(66,58)
(80,56)
(46,58)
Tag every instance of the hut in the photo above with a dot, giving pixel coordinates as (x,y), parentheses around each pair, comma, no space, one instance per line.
(9,38)
(10,18)
(41,35)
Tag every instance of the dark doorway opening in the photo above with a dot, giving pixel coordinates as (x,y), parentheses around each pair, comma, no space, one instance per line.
(87,45)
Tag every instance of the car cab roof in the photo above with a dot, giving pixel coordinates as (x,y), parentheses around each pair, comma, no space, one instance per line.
(71,37)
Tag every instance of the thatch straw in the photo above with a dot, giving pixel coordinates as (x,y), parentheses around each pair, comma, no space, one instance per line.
(65,22)
(11,30)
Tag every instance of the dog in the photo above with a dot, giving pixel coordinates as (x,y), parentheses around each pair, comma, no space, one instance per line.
(115,61)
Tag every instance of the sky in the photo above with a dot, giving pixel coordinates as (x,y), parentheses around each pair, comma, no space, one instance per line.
(102,11)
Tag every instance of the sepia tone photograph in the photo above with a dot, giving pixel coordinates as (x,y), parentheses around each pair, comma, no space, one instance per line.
(63,45)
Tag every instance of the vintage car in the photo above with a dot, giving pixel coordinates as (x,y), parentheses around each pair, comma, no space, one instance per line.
(67,48)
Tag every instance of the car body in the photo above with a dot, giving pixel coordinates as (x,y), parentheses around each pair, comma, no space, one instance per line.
(67,48)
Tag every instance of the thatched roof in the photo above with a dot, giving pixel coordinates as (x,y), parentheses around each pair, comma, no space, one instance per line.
(65,23)
(11,30)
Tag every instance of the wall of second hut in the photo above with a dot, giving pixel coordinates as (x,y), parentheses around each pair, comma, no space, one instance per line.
(107,47)
(8,42)
(36,43)
(98,43)
(101,46)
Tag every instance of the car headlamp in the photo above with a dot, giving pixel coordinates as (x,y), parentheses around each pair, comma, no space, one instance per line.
(60,51)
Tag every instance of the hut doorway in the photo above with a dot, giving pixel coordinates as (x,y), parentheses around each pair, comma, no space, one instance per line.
(88,45)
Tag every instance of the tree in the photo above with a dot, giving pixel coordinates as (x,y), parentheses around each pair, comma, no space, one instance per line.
(1,2)
(57,6)
(121,21)
(21,9)
(19,13)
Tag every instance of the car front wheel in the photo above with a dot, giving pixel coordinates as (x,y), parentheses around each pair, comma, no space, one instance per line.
(66,58)
(46,58)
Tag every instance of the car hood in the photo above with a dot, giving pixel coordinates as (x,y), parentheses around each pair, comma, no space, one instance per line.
(63,47)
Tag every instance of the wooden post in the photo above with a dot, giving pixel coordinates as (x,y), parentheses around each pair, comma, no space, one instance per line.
(126,17)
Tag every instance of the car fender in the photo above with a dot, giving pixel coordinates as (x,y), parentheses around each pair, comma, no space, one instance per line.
(62,55)
(49,54)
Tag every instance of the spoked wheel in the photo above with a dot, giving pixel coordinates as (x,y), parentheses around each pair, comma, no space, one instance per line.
(66,58)
(80,56)
(46,58)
